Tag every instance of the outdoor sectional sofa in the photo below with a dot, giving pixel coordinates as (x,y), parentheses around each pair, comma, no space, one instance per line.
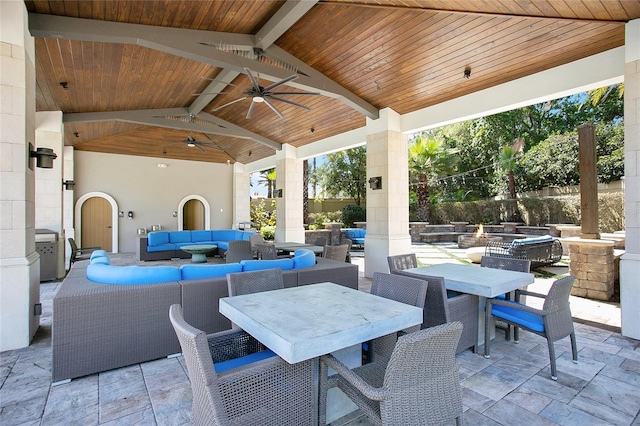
(124,319)
(165,245)
(356,235)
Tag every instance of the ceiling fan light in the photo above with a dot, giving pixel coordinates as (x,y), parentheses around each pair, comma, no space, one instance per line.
(258,99)
(191,144)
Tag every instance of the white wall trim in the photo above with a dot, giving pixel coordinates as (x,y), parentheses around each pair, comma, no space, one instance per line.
(114,217)
(207,211)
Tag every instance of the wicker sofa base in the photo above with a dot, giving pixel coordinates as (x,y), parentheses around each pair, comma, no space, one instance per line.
(98,327)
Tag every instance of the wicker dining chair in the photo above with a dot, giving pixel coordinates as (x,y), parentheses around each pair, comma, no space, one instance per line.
(553,321)
(268,251)
(402,261)
(238,250)
(240,283)
(338,253)
(78,253)
(419,385)
(518,265)
(259,391)
(402,289)
(255,239)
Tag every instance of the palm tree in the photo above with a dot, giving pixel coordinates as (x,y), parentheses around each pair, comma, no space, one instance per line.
(268,179)
(508,157)
(428,160)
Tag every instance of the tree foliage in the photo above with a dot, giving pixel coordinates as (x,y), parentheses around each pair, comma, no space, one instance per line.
(344,174)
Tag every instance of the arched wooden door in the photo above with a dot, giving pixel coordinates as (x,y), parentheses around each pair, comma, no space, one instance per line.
(96,223)
(193,215)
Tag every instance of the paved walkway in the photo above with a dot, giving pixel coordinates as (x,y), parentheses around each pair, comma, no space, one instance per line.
(513,387)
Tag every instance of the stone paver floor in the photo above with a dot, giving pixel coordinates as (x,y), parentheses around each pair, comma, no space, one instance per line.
(511,388)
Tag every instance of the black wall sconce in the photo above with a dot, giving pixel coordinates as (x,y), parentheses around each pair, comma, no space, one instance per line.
(130,214)
(375,182)
(69,185)
(277,193)
(44,157)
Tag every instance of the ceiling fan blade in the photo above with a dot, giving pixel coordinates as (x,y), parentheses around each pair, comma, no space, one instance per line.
(199,147)
(254,82)
(293,93)
(250,111)
(215,93)
(290,102)
(273,107)
(286,80)
(229,103)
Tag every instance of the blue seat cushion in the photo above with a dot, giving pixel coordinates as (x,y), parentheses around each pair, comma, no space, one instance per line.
(195,272)
(243,360)
(526,319)
(222,245)
(256,265)
(161,247)
(109,274)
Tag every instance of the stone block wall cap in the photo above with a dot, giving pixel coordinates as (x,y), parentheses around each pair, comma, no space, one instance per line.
(511,223)
(459,223)
(418,223)
(578,240)
(561,227)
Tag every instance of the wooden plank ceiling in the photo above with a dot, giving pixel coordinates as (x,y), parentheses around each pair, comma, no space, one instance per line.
(404,54)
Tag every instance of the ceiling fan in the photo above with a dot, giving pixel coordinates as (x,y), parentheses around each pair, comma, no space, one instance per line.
(266,95)
(191,142)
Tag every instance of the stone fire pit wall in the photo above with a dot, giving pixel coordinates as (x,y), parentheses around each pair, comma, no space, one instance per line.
(593,264)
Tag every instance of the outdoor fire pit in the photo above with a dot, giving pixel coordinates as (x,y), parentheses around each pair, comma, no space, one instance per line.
(479,239)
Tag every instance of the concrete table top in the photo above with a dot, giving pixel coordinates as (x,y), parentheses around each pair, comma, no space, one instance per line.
(305,322)
(484,282)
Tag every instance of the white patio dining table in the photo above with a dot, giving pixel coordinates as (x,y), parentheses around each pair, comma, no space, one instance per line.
(305,322)
(483,282)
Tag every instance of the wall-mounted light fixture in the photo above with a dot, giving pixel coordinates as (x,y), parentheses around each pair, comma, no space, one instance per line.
(375,182)
(44,157)
(64,85)
(277,193)
(120,213)
(130,214)
(174,213)
(467,72)
(69,185)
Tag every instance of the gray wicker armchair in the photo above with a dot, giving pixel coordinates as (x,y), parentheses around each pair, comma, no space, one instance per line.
(268,251)
(338,253)
(419,385)
(553,321)
(401,289)
(402,261)
(254,281)
(443,306)
(266,392)
(238,250)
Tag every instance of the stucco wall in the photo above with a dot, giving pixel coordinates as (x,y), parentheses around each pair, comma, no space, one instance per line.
(152,193)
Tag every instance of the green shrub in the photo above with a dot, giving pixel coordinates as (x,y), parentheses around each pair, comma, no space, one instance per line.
(352,213)
(261,216)
(316,220)
(268,232)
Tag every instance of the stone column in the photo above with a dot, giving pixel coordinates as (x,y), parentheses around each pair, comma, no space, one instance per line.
(588,181)
(289,179)
(19,262)
(49,188)
(630,261)
(241,181)
(592,263)
(388,207)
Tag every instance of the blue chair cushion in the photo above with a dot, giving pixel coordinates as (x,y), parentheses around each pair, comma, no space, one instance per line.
(157,238)
(108,274)
(243,360)
(526,319)
(195,272)
(303,258)
(256,265)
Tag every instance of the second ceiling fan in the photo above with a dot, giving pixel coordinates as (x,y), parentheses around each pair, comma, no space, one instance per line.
(266,95)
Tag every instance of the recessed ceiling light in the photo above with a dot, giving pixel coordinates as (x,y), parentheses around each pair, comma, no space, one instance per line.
(163,165)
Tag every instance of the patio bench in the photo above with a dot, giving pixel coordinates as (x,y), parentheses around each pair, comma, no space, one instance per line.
(541,251)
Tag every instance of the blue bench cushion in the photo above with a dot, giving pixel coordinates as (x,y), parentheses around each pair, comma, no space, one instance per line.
(194,272)
(109,274)
(200,236)
(98,253)
(255,265)
(180,237)
(532,240)
(157,238)
(161,247)
(303,258)
(526,319)
(243,360)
